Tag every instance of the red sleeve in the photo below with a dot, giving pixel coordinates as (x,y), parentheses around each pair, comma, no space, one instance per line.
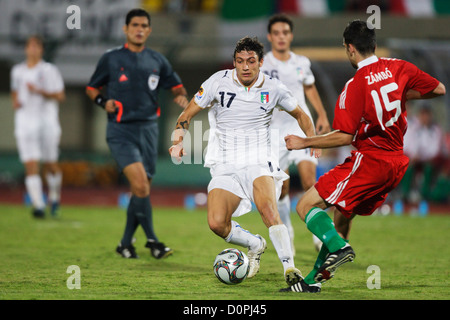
(420,80)
(349,108)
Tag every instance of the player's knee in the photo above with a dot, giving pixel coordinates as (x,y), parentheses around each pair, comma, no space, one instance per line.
(219,227)
(140,189)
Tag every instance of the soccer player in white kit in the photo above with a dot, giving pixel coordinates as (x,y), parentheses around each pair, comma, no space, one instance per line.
(295,72)
(36,89)
(243,165)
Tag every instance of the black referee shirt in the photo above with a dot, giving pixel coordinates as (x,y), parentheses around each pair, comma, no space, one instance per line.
(134,79)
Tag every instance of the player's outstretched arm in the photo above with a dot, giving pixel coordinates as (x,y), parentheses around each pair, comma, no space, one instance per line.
(304,121)
(306,125)
(176,150)
(437,92)
(329,140)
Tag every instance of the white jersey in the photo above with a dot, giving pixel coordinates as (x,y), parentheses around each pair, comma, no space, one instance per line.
(242,117)
(294,73)
(44,76)
(37,117)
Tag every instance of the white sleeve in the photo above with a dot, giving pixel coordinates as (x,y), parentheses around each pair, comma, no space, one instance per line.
(309,78)
(205,95)
(286,100)
(53,82)
(14,79)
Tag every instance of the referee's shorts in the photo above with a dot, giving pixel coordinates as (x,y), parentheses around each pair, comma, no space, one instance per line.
(134,142)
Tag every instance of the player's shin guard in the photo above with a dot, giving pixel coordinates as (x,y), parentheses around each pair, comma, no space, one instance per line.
(242,237)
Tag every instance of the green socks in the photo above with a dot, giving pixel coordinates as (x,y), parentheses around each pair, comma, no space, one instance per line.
(319,223)
(309,279)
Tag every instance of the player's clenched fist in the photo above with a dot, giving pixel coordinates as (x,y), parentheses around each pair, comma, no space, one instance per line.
(177,151)
(294,142)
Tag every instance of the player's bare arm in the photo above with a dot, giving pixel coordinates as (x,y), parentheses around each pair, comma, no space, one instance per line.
(322,124)
(15,100)
(58,96)
(306,125)
(303,121)
(176,150)
(180,96)
(438,91)
(332,139)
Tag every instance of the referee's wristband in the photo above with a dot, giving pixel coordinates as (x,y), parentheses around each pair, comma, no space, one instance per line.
(100,101)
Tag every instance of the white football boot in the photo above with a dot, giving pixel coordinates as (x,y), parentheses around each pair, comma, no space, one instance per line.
(254,257)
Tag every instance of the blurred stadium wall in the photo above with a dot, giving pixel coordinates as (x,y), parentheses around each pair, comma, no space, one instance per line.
(198,36)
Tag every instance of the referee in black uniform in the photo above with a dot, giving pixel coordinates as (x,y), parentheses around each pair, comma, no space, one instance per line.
(133,75)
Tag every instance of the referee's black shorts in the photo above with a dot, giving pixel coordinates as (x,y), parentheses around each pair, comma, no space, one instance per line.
(134,142)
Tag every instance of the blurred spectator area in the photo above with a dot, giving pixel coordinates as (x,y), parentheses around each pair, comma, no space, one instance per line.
(198,36)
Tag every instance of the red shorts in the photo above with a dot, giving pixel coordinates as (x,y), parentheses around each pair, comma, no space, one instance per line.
(361,184)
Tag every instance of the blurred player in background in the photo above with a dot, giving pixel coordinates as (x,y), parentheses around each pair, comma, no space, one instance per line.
(370,114)
(243,165)
(133,75)
(295,72)
(36,88)
(428,156)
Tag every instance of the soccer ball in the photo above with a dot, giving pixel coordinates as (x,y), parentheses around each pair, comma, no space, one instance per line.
(231,266)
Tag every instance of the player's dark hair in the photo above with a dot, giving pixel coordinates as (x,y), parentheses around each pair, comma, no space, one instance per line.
(249,44)
(37,38)
(280,18)
(361,36)
(137,13)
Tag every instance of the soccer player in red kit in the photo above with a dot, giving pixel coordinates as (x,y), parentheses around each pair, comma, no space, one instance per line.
(370,114)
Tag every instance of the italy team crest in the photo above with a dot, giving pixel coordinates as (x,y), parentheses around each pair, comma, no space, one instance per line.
(264,97)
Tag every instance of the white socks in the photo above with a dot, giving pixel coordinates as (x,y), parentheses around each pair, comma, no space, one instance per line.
(278,235)
(34,188)
(284,208)
(242,237)
(54,182)
(33,185)
(280,238)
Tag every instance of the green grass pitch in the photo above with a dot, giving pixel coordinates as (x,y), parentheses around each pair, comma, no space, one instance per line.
(412,254)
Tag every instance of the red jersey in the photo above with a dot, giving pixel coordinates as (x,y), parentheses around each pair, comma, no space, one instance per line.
(372,104)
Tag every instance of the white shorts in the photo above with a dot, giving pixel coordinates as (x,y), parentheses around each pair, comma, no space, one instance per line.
(38,141)
(239,181)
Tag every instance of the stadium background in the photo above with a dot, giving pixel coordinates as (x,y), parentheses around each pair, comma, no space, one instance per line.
(197,36)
